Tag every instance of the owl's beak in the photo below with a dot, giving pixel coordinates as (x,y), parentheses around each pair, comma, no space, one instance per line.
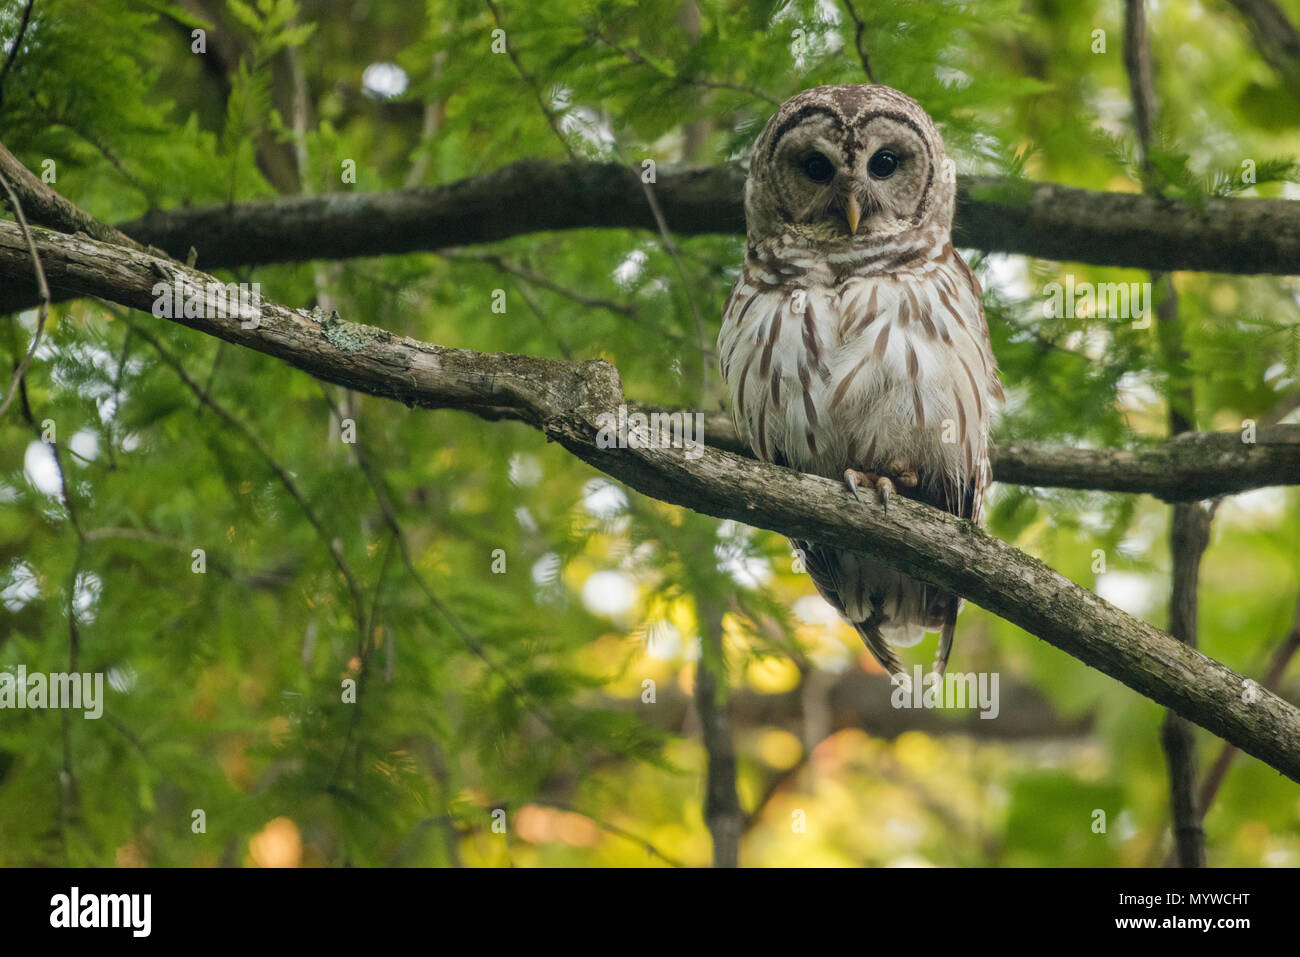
(853,214)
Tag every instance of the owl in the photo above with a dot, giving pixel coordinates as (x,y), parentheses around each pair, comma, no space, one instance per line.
(854,344)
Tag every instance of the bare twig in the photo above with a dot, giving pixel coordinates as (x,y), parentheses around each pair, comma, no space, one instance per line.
(638,59)
(543,282)
(859,27)
(1276,38)
(18,43)
(379,487)
(42,288)
(532,85)
(332,544)
(616,830)
(670,247)
(1272,678)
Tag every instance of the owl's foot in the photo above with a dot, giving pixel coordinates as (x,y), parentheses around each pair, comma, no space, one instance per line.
(883,485)
(902,473)
(882,482)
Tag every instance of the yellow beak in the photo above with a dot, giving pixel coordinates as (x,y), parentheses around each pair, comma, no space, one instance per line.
(852,214)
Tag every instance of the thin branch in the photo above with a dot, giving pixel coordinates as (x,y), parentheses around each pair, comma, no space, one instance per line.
(532,84)
(1189,535)
(332,544)
(1272,678)
(114,160)
(671,248)
(573,295)
(638,59)
(616,830)
(18,43)
(43,290)
(379,487)
(1137,63)
(270,579)
(859,27)
(1275,37)
(1189,531)
(535,308)
(722,811)
(364,649)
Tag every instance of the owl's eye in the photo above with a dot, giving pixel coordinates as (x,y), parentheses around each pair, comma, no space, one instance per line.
(882,164)
(818,168)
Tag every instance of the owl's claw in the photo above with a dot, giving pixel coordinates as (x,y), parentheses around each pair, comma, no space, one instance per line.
(881,483)
(886,488)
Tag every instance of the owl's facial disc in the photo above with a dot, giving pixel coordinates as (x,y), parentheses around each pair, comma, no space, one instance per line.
(834,182)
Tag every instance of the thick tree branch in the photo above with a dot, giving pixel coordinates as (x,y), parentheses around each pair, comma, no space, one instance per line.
(1043,220)
(564,400)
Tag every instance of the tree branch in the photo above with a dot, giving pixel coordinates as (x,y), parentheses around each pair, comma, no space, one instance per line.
(1045,220)
(1042,219)
(563,400)
(1189,531)
(722,811)
(1188,467)
(1275,37)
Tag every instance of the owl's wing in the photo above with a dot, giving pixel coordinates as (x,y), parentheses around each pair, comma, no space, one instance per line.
(974,351)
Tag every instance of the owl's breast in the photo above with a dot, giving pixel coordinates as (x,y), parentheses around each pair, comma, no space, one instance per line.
(861,373)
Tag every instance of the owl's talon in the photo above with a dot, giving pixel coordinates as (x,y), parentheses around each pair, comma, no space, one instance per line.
(852,477)
(886,488)
(882,484)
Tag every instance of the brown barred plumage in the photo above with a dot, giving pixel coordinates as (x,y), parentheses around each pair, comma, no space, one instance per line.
(855,338)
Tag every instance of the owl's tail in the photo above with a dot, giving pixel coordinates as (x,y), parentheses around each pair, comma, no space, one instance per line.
(876,643)
(886,609)
(946,636)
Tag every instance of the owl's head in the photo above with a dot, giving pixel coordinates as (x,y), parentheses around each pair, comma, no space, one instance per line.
(855,163)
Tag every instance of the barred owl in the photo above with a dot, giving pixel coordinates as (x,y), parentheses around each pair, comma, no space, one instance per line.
(854,344)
